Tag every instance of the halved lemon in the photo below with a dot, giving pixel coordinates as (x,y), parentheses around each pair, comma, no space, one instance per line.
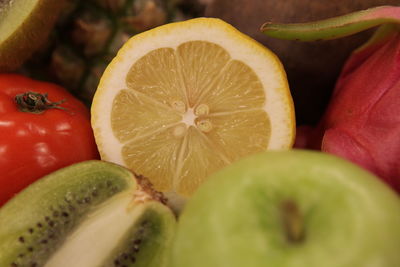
(183,100)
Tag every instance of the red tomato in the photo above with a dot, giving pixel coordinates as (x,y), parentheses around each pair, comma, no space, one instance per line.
(35,144)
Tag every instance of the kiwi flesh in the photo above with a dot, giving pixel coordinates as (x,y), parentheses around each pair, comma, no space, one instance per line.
(24,28)
(92,213)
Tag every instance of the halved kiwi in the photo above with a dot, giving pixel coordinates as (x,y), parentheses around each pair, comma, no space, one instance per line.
(24,27)
(88,214)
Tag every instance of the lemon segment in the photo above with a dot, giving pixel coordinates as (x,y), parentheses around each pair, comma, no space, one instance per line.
(237,88)
(181,101)
(155,156)
(231,133)
(157,75)
(136,115)
(198,151)
(201,63)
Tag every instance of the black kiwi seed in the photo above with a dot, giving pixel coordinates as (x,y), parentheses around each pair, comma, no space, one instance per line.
(30,249)
(31,230)
(14,264)
(95,193)
(39,225)
(71,208)
(51,235)
(21,239)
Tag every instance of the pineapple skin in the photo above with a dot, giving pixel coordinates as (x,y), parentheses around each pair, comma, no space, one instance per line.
(87,36)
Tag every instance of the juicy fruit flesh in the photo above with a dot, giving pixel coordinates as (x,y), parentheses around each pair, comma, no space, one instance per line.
(96,230)
(89,214)
(13,13)
(40,235)
(114,233)
(187,108)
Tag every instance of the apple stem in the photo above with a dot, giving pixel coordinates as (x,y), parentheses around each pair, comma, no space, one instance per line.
(293,221)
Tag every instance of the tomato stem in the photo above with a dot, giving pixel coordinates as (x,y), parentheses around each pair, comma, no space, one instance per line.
(36,103)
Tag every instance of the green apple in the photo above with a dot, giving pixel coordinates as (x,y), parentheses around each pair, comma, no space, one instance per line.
(290,209)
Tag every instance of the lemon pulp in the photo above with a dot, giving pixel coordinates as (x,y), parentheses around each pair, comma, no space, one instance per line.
(188,112)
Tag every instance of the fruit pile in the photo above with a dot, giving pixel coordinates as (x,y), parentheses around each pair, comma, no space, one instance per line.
(185,155)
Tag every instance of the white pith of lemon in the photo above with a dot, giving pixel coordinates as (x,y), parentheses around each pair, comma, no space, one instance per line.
(183,100)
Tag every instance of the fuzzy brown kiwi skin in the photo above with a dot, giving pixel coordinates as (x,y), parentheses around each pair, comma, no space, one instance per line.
(312,68)
(30,36)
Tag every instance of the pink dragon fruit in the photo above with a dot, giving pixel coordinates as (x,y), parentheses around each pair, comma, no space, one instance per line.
(362,120)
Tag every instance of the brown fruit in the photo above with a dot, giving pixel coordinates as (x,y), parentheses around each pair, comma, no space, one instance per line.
(312,68)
